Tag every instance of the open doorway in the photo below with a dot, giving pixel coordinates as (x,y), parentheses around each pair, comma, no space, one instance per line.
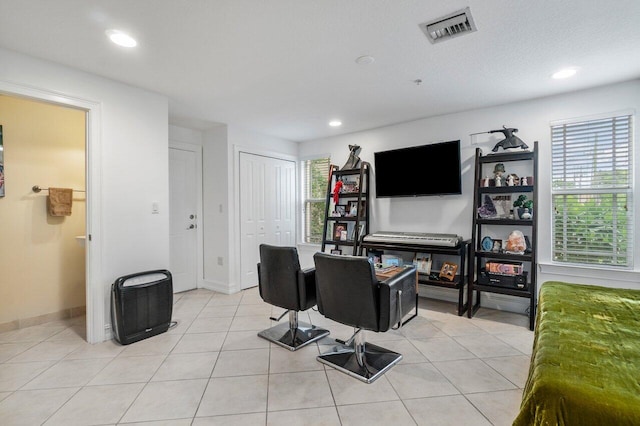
(43,259)
(96,298)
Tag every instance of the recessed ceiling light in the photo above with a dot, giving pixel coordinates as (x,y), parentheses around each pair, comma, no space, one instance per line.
(564,73)
(335,123)
(121,39)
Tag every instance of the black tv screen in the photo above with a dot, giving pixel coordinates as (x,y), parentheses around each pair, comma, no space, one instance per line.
(432,169)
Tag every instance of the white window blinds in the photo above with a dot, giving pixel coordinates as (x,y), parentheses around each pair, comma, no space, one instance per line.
(592,191)
(315,180)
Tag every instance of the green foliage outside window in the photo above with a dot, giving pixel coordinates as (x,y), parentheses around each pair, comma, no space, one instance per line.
(591,229)
(316,173)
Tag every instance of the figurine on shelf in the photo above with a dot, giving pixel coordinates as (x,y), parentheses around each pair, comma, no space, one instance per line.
(353,162)
(336,190)
(510,140)
(498,171)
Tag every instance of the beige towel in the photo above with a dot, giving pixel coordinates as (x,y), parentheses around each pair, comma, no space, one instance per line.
(59,201)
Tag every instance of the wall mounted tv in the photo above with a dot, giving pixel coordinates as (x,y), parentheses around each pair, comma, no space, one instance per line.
(416,171)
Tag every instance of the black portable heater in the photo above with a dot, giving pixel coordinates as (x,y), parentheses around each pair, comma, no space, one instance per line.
(141,305)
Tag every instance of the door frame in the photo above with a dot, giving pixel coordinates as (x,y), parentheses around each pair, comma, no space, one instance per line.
(197,150)
(234,265)
(96,293)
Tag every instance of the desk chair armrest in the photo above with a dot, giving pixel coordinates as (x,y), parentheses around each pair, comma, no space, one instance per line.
(307,287)
(393,304)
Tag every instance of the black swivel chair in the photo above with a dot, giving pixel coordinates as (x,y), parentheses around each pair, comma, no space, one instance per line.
(283,283)
(349,293)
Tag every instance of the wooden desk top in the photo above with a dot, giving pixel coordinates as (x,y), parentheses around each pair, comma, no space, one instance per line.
(388,273)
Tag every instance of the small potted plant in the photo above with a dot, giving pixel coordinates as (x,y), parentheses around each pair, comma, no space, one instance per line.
(523,207)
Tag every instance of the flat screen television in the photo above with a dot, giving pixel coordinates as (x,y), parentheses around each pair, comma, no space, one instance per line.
(432,169)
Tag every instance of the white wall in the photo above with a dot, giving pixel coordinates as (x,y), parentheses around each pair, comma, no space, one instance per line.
(216,187)
(454,213)
(133,162)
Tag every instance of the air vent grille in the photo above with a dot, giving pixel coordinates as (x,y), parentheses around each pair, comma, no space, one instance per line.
(447,27)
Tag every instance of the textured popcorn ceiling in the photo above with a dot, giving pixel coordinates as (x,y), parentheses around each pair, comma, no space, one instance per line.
(286,67)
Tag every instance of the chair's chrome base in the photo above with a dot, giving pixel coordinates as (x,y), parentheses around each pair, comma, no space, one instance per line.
(364,361)
(293,335)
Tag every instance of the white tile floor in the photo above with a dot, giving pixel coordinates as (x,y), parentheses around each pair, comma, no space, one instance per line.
(212,369)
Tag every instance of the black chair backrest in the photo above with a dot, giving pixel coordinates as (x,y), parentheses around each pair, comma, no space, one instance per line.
(278,276)
(347,290)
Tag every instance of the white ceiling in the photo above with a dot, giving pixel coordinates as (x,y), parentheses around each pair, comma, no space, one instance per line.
(286,67)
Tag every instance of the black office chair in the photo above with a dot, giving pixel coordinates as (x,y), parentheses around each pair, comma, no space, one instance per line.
(283,283)
(349,293)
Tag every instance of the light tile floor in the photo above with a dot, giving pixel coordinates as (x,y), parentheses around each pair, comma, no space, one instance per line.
(212,369)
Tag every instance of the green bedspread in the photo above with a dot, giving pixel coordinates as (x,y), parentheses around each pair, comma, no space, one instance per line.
(585,364)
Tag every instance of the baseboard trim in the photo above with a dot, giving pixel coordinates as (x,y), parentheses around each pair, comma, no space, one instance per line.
(496,301)
(73,312)
(218,286)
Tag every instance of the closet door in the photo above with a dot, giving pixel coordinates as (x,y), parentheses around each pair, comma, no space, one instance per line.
(282,221)
(267,209)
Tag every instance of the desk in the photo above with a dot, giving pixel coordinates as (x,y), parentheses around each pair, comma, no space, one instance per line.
(389,273)
(462,251)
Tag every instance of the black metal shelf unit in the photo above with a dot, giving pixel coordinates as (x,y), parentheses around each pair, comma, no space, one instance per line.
(353,214)
(481,255)
(462,251)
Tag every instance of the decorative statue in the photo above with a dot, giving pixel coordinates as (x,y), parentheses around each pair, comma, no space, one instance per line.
(498,171)
(510,140)
(336,190)
(354,161)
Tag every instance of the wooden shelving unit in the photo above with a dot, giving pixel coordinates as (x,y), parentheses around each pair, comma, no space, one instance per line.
(355,189)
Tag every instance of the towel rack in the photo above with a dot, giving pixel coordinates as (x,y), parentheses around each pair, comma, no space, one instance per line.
(36,188)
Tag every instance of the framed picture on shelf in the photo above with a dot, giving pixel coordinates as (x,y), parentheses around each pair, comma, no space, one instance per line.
(375,256)
(352,208)
(340,210)
(497,246)
(351,184)
(336,251)
(361,228)
(448,271)
(422,262)
(502,204)
(340,231)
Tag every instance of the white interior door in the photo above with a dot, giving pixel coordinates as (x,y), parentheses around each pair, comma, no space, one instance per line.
(283,219)
(267,209)
(183,218)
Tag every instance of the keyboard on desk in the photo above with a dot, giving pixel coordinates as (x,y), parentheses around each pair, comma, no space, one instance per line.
(428,239)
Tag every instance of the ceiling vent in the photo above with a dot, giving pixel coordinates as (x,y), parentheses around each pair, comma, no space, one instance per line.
(453,25)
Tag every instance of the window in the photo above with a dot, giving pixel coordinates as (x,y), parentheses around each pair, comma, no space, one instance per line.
(592,191)
(314,186)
